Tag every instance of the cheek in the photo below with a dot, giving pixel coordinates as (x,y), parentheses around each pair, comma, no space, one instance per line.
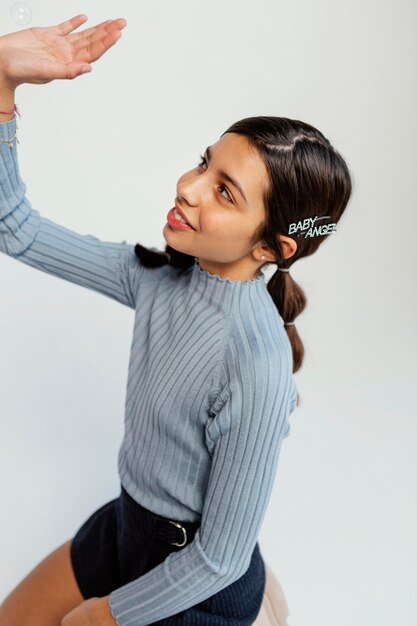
(214,221)
(222,225)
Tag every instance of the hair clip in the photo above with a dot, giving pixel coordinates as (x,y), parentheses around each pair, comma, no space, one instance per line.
(308,228)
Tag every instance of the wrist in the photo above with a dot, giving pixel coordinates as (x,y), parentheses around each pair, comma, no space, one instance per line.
(5,88)
(7,102)
(4,84)
(103,611)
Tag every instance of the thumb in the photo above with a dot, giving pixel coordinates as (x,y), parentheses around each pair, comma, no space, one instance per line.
(52,70)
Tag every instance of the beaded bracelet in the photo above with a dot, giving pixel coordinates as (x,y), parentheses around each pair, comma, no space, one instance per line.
(9,140)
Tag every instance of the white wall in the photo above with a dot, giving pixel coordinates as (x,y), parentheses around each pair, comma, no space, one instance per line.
(102,155)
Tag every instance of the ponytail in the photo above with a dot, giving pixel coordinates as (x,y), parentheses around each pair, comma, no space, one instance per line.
(290,300)
(151,257)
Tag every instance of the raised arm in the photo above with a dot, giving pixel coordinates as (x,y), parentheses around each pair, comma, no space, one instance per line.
(39,55)
(110,268)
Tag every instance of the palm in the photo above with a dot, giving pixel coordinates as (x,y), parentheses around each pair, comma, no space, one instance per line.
(39,55)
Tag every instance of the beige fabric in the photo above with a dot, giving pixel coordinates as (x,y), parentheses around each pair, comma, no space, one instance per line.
(274,609)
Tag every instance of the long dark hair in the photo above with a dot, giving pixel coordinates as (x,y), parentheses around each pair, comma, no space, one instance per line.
(307,177)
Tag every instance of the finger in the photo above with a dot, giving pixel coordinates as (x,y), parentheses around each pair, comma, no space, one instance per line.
(74,37)
(51,70)
(92,52)
(91,36)
(64,28)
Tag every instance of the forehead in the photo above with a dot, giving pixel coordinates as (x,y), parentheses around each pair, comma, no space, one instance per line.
(234,154)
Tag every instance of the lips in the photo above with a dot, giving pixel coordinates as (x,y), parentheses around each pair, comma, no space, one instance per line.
(181,212)
(177,224)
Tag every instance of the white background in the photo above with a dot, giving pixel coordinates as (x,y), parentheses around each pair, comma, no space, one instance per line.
(102,155)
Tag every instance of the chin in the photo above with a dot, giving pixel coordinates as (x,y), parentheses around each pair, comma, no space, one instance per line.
(167,232)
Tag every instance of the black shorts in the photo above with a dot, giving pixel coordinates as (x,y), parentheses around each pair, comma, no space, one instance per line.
(122,541)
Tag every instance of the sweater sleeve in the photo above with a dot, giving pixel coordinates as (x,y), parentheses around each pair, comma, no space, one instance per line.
(112,269)
(248,423)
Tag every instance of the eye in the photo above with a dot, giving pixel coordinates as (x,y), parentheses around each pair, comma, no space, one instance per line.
(202,163)
(229,199)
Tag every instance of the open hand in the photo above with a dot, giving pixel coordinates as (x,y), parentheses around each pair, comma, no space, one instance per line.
(41,54)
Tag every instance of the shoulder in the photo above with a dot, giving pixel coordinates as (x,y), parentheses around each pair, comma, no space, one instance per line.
(255,385)
(152,273)
(258,343)
(256,369)
(163,277)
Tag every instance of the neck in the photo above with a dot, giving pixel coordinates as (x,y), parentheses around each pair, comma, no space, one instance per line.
(242,270)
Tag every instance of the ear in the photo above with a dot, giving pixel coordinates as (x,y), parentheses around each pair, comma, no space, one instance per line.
(265,254)
(288,246)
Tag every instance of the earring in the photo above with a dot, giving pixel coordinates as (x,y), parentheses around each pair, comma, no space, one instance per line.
(263,256)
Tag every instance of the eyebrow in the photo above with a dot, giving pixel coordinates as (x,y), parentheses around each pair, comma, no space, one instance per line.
(226,176)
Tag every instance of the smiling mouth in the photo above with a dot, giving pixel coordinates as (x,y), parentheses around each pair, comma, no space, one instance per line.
(175,220)
(180,218)
(180,215)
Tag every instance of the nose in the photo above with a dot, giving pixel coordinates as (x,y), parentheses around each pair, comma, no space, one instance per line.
(185,196)
(181,198)
(191,190)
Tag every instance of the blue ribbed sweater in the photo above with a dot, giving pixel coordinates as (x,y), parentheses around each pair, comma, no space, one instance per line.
(209,393)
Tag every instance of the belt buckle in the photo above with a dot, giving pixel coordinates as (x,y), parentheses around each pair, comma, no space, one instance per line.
(184,531)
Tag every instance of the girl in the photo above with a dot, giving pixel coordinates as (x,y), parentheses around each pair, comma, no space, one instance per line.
(210,386)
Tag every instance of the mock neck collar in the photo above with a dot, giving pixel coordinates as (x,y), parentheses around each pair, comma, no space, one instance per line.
(227,280)
(224,293)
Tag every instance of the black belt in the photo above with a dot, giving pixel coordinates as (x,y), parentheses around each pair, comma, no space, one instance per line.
(173,532)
